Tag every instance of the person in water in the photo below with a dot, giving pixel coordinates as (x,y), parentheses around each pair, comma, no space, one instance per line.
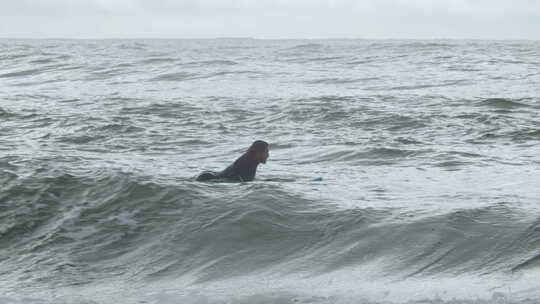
(244,168)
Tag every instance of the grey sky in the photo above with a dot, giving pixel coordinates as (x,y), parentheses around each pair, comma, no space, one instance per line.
(422,19)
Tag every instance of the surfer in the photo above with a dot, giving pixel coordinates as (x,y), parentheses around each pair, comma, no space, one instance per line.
(244,168)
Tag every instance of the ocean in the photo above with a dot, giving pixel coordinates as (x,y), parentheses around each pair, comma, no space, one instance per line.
(428,150)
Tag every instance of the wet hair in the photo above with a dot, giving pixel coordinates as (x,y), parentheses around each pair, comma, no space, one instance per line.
(258,146)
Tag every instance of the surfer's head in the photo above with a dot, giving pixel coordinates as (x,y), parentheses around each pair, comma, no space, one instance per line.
(260,149)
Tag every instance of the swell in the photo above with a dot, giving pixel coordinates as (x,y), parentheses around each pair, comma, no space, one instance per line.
(210,63)
(5,114)
(306,46)
(74,228)
(506,103)
(184,76)
(22,73)
(339,80)
(192,64)
(363,156)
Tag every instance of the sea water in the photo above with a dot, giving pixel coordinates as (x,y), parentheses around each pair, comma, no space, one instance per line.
(428,153)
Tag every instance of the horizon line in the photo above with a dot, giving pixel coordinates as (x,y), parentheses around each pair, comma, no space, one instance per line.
(268,39)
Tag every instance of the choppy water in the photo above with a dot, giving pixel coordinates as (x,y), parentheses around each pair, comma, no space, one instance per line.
(429,153)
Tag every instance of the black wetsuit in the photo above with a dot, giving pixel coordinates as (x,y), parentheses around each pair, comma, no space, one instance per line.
(243,170)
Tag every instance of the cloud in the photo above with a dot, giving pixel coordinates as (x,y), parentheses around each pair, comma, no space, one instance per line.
(413,7)
(183,7)
(502,19)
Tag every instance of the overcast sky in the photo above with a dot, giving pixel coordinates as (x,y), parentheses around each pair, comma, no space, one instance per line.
(400,19)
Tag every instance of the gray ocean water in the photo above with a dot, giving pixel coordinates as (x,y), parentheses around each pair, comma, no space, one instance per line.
(429,153)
